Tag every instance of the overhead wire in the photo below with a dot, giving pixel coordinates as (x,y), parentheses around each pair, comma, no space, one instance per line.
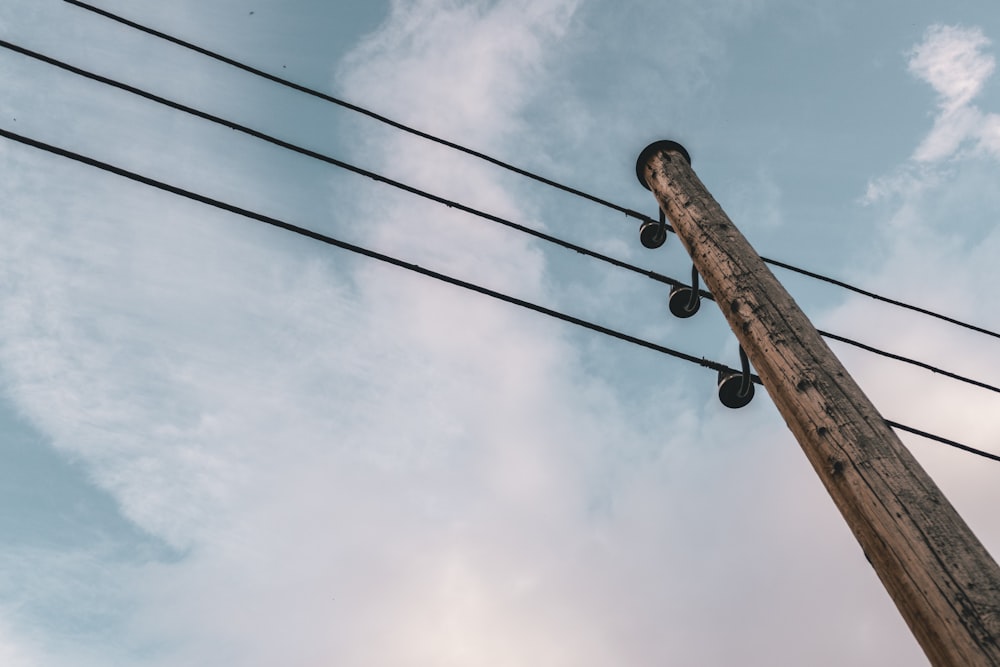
(441,200)
(358,109)
(888,355)
(372,254)
(344,245)
(327,159)
(878,297)
(492,160)
(945,441)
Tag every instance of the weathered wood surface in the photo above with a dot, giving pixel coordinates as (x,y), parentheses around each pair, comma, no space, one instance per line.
(944,582)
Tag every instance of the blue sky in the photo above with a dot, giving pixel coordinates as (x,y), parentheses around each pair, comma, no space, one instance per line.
(225,444)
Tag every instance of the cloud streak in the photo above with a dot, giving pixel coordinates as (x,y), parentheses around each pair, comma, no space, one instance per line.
(952,60)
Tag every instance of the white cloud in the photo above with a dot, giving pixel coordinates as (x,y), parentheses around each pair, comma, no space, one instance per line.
(908,183)
(13,652)
(461,69)
(952,61)
(951,129)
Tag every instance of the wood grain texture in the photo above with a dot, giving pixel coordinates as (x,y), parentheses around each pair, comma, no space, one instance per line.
(944,582)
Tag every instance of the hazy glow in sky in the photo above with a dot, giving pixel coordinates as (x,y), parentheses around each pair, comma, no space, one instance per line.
(224,444)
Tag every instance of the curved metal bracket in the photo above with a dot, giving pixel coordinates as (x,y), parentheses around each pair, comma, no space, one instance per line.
(653,234)
(736,389)
(685,301)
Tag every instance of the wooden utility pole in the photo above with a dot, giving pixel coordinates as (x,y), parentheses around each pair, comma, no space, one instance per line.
(942,579)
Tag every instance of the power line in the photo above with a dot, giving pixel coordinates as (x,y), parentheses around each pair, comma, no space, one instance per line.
(336,162)
(913,362)
(358,109)
(441,200)
(877,297)
(945,441)
(889,355)
(492,160)
(344,245)
(329,240)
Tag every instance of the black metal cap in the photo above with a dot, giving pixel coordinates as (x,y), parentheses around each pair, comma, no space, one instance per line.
(652,149)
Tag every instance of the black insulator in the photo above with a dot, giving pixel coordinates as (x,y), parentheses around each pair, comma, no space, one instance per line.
(735,390)
(736,387)
(683,301)
(652,234)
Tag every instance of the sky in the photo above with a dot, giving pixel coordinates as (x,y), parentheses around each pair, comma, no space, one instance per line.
(222,443)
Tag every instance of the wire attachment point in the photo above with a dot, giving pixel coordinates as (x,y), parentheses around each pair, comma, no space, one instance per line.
(653,234)
(736,388)
(685,301)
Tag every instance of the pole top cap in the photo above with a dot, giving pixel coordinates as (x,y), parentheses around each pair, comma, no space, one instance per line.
(652,149)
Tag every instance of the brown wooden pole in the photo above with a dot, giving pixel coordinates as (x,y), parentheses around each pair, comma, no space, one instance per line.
(942,579)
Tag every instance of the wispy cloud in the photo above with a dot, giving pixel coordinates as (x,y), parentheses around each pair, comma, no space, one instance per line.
(951,60)
(13,651)
(459,68)
(954,61)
